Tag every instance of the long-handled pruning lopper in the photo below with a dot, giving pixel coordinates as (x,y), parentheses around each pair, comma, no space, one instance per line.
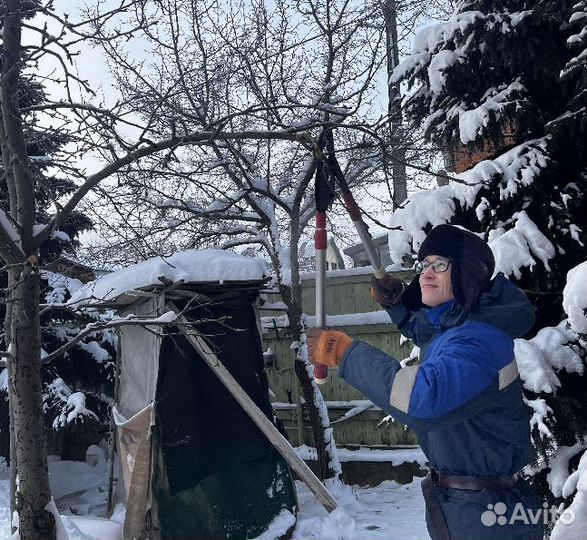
(329,173)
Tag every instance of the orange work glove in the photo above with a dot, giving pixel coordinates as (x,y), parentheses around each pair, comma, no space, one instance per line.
(327,346)
(387,291)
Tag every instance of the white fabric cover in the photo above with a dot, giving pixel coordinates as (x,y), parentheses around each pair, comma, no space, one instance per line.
(139,359)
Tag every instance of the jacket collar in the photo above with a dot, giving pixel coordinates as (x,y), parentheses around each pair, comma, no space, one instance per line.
(444,315)
(504,306)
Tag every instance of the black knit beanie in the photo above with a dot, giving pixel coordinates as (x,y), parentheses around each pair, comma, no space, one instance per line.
(472,265)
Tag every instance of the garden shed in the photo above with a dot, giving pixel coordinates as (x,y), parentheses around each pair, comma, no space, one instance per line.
(194,464)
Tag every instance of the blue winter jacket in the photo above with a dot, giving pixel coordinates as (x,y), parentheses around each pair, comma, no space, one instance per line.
(464,399)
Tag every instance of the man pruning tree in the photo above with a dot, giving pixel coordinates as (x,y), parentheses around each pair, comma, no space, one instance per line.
(464,399)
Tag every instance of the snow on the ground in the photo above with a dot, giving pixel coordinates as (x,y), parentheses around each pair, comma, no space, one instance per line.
(192,266)
(80,490)
(388,511)
(68,477)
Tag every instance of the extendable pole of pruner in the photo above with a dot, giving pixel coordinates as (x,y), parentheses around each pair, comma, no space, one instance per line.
(321,244)
(324,195)
(353,210)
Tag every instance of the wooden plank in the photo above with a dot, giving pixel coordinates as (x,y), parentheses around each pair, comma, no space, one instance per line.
(256,415)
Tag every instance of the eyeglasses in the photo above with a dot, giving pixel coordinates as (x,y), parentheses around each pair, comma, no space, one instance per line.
(438,266)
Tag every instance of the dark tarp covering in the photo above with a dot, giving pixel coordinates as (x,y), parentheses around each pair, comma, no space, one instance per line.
(221,476)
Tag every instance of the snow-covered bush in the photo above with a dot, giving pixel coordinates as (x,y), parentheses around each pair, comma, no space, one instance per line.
(77,386)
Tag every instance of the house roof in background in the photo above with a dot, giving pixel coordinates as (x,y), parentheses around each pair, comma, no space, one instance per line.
(357,248)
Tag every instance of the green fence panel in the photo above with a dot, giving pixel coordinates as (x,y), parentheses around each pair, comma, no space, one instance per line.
(345,293)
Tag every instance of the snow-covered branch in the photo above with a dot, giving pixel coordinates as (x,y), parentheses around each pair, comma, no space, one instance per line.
(151,148)
(162,320)
(10,241)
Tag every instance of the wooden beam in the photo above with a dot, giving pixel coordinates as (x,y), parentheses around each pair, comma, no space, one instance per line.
(256,415)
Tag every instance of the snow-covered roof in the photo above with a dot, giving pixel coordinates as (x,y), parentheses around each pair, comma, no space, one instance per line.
(182,268)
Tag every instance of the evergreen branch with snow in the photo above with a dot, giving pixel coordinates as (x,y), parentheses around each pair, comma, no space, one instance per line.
(162,320)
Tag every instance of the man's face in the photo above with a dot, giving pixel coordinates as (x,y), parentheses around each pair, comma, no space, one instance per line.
(436,286)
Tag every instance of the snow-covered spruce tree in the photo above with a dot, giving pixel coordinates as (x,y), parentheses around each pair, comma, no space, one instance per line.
(572,487)
(86,366)
(486,86)
(573,123)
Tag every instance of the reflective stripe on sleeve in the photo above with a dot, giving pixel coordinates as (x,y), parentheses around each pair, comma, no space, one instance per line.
(401,389)
(508,374)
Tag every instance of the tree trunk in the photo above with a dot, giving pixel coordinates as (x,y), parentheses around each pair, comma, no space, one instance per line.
(319,432)
(319,421)
(10,368)
(24,338)
(398,154)
(33,492)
